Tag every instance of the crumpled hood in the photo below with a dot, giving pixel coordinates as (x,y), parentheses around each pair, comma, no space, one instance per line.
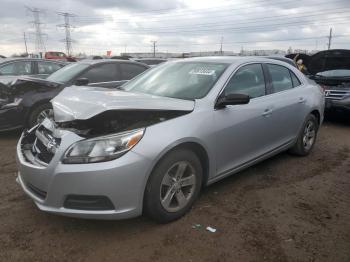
(329,60)
(81,103)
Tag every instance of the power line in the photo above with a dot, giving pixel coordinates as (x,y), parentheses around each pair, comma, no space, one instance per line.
(39,42)
(245,29)
(212,13)
(67,27)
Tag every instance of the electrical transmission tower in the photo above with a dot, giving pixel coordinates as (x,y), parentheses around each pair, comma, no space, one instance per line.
(154,47)
(67,27)
(39,42)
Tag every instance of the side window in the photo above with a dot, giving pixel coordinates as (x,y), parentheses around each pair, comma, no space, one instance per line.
(129,70)
(295,80)
(17,68)
(47,67)
(102,73)
(280,77)
(247,80)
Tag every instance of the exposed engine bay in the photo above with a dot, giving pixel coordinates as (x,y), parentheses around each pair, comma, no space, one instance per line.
(115,121)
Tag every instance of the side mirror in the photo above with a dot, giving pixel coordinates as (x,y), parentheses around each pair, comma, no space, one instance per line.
(232,99)
(81,82)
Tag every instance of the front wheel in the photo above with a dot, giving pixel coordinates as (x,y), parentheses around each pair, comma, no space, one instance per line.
(174,185)
(39,113)
(307,137)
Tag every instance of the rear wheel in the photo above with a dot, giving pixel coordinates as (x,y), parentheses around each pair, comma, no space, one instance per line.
(173,186)
(307,137)
(39,113)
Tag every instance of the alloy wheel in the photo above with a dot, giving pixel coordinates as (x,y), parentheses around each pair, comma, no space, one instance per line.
(177,186)
(44,114)
(309,135)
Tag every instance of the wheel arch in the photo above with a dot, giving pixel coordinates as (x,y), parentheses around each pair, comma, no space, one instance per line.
(192,145)
(33,107)
(317,114)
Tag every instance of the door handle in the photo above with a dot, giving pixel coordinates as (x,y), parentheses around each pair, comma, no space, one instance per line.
(301,100)
(267,112)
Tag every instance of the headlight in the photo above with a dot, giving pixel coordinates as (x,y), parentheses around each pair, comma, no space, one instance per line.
(104,148)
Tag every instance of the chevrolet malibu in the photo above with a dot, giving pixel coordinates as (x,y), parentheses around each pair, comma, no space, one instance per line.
(150,146)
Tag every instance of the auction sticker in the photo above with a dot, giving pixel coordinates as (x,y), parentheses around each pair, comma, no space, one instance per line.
(202,71)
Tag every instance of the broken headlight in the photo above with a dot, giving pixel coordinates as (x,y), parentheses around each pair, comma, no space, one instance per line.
(104,148)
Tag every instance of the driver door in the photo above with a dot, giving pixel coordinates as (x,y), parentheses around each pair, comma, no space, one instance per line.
(243,130)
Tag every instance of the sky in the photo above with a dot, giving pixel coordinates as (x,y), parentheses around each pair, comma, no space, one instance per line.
(176,25)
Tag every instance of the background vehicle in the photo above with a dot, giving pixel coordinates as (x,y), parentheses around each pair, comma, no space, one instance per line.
(331,70)
(1,56)
(59,56)
(26,102)
(12,68)
(150,61)
(173,129)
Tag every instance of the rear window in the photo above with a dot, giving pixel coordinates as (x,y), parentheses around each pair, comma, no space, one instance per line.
(295,79)
(130,70)
(280,77)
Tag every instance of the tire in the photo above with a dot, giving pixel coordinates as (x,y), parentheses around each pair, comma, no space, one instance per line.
(301,147)
(38,113)
(164,179)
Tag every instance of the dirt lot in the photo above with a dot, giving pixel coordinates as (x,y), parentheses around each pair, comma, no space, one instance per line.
(284,209)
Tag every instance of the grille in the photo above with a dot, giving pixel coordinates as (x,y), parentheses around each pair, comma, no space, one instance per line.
(45,144)
(41,151)
(336,94)
(39,146)
(36,191)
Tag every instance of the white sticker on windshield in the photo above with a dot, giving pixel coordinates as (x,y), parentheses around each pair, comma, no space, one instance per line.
(202,71)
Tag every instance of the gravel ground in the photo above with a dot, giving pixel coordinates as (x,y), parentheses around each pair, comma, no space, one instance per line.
(284,209)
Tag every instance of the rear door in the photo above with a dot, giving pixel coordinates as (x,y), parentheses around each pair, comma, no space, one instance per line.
(103,75)
(130,70)
(288,108)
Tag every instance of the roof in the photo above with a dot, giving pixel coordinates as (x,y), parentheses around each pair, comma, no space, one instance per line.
(99,61)
(11,59)
(228,59)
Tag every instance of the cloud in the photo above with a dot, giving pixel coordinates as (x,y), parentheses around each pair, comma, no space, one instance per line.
(177,25)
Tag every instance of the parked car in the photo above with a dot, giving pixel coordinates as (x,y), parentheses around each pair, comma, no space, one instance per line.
(12,68)
(331,70)
(59,56)
(152,145)
(26,101)
(150,61)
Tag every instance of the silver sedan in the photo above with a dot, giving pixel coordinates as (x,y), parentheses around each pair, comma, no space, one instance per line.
(150,146)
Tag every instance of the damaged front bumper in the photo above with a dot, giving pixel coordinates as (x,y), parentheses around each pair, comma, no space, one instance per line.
(107,190)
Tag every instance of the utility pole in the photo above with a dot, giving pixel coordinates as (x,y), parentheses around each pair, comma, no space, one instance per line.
(25,42)
(154,48)
(222,40)
(67,27)
(330,39)
(39,42)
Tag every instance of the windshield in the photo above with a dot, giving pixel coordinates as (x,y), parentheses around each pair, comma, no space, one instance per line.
(183,80)
(335,73)
(66,73)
